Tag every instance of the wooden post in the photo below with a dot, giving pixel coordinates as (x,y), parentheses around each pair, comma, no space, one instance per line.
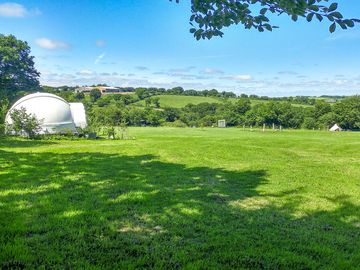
(263,127)
(273,126)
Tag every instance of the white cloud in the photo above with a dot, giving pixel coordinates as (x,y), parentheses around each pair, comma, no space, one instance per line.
(100,43)
(212,71)
(181,70)
(287,72)
(350,34)
(85,72)
(16,10)
(142,68)
(98,59)
(51,44)
(237,78)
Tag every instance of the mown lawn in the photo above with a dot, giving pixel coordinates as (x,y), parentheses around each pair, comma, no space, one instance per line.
(182,199)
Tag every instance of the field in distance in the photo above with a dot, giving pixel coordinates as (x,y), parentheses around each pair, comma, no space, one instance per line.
(182,198)
(175,101)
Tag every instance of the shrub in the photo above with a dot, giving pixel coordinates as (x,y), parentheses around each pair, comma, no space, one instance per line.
(176,123)
(24,123)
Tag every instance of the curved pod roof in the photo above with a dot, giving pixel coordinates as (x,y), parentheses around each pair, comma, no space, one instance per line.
(53,111)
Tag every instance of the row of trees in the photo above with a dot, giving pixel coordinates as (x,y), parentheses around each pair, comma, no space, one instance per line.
(144,93)
(69,93)
(115,109)
(346,113)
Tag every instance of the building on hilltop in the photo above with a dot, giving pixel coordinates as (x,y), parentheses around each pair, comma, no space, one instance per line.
(102,89)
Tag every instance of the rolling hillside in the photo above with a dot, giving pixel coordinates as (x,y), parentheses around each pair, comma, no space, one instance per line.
(181,101)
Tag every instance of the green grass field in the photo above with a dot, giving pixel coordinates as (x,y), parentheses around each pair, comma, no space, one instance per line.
(182,199)
(174,101)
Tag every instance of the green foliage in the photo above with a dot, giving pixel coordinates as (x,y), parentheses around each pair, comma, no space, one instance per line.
(156,102)
(176,123)
(242,105)
(95,94)
(110,132)
(24,123)
(79,96)
(179,101)
(310,123)
(192,111)
(348,112)
(17,71)
(321,108)
(209,17)
(141,93)
(4,106)
(148,102)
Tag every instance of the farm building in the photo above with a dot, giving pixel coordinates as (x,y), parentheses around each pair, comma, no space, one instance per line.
(105,89)
(55,113)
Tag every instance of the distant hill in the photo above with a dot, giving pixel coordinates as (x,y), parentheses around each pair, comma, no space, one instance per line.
(175,101)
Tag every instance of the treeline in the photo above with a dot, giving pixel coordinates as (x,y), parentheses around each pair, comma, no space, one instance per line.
(115,109)
(144,93)
(322,115)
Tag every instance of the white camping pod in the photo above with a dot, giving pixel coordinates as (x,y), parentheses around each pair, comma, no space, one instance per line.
(335,128)
(53,112)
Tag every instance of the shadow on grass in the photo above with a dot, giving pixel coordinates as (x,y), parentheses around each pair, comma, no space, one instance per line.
(85,210)
(16,142)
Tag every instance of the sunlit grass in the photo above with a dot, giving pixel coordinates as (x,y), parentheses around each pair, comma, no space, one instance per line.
(182,198)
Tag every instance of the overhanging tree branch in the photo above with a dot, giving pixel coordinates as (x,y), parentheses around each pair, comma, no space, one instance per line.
(210,16)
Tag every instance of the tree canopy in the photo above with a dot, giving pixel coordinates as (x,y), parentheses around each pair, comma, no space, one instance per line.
(209,17)
(17,71)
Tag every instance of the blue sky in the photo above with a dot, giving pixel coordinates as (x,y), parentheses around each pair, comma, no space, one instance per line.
(147,43)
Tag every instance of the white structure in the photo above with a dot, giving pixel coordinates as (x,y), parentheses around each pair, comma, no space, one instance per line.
(335,128)
(221,124)
(102,89)
(78,114)
(54,112)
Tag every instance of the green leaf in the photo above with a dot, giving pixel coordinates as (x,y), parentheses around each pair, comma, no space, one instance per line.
(332,28)
(336,14)
(319,17)
(309,17)
(342,24)
(333,7)
(349,23)
(311,2)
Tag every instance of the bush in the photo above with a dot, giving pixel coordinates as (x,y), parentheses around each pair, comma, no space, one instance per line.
(176,123)
(24,123)
(2,130)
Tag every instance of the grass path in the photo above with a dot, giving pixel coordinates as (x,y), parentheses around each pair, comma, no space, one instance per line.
(182,198)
